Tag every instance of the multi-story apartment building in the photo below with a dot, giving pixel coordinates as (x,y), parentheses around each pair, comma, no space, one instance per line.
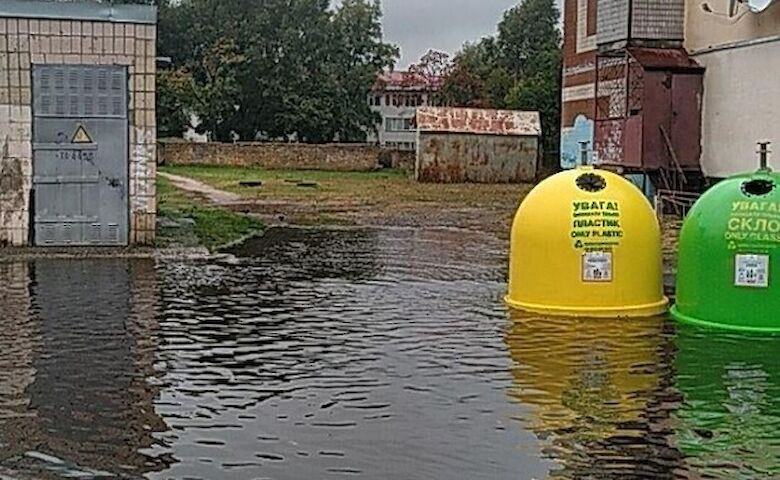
(396,97)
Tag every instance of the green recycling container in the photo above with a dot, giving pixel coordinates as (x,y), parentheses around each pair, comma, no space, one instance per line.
(729,256)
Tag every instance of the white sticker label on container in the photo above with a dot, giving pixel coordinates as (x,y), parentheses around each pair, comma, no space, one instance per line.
(597,267)
(752,271)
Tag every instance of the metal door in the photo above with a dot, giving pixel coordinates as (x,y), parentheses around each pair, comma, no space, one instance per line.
(80,155)
(687,90)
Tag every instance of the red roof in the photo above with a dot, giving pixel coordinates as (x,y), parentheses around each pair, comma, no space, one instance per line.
(479,121)
(665,59)
(400,80)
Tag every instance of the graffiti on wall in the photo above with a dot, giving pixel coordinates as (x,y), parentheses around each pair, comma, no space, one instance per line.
(571,139)
(143,170)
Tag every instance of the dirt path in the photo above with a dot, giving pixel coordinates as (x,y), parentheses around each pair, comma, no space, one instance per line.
(213,195)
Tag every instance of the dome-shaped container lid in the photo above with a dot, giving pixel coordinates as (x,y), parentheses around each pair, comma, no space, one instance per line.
(586,243)
(729,255)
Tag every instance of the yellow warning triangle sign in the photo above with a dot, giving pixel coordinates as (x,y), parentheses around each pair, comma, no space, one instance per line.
(81,136)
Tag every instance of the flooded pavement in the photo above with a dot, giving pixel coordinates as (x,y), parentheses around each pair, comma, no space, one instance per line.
(380,354)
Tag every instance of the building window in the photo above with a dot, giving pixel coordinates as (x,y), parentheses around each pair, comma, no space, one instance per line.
(402,146)
(395,124)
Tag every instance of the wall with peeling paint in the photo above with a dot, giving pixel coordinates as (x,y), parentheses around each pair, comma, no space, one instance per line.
(27,41)
(15,172)
(471,145)
(741,105)
(571,142)
(579,77)
(471,158)
(741,89)
(705,30)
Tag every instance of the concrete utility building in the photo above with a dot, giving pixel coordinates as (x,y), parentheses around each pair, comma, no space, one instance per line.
(396,97)
(671,90)
(463,145)
(77,124)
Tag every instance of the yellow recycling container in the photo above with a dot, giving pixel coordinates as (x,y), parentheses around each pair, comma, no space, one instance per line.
(586,243)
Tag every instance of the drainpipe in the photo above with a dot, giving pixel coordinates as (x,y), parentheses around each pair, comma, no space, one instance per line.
(629,36)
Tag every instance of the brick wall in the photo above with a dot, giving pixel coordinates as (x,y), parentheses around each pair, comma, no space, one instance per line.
(653,20)
(336,157)
(612,21)
(581,18)
(659,19)
(27,41)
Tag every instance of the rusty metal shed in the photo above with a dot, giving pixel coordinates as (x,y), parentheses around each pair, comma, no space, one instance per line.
(464,145)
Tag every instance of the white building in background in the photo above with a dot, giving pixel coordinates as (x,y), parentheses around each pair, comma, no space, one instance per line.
(396,97)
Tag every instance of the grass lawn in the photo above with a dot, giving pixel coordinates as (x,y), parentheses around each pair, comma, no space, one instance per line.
(198,224)
(384,188)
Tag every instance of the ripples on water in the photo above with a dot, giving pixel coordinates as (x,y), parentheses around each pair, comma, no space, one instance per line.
(382,354)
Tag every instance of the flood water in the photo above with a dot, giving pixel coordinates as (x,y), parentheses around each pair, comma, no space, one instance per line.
(379,354)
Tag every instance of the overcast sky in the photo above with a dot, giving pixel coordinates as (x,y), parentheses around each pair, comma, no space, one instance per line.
(419,25)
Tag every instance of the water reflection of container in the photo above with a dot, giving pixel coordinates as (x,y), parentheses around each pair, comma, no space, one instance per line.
(586,243)
(729,423)
(595,392)
(729,254)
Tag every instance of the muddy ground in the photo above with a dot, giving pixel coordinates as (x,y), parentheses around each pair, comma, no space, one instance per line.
(386,198)
(383,199)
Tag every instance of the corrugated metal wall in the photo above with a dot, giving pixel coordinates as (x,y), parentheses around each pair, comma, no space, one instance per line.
(467,158)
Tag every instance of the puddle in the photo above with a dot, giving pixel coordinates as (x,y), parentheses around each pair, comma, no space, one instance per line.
(360,353)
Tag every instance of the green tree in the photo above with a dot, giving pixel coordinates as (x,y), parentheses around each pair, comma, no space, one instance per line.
(529,40)
(530,43)
(466,84)
(519,68)
(358,55)
(543,93)
(290,69)
(174,92)
(216,90)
